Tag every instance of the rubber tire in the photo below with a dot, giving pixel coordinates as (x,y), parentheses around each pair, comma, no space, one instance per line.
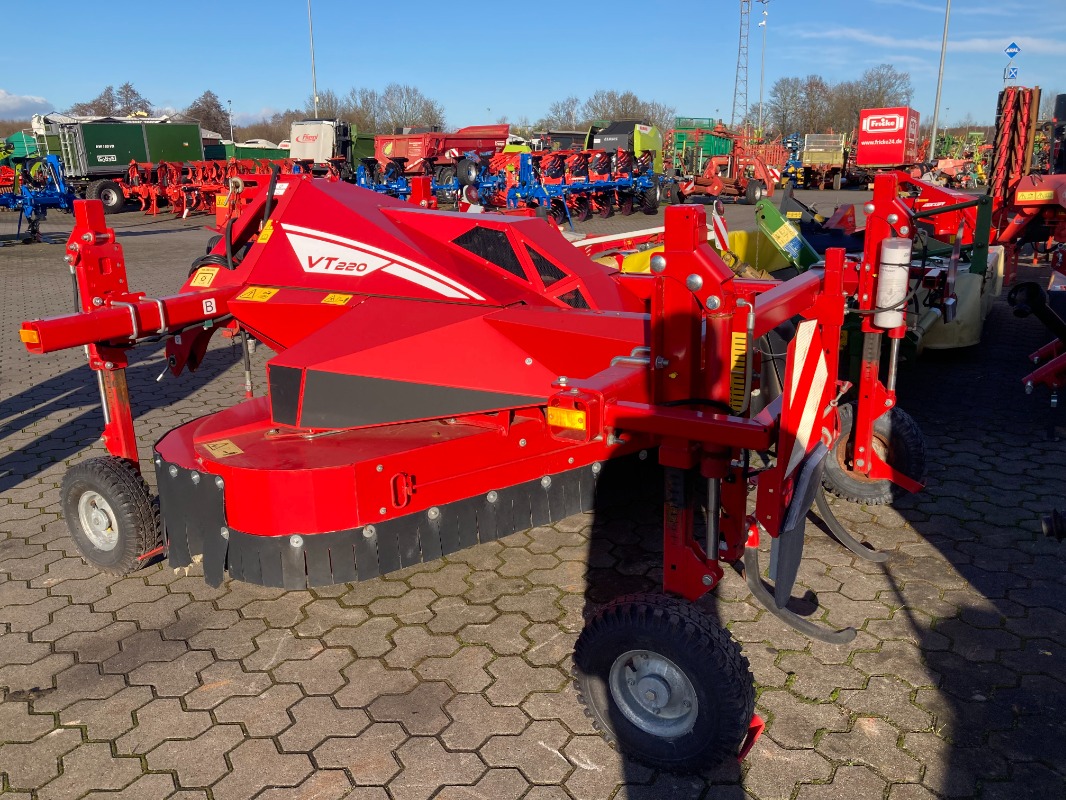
(213,242)
(671,196)
(710,658)
(906,453)
(92,191)
(466,170)
(392,172)
(751,193)
(649,202)
(137,514)
(110,194)
(837,180)
(445,175)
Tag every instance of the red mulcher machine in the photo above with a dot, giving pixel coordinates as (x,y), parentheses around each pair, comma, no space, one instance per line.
(441,380)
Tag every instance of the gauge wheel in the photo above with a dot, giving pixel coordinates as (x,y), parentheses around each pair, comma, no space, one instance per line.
(112,518)
(898,441)
(663,683)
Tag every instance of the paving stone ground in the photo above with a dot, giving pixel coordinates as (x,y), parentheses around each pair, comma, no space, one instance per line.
(451,679)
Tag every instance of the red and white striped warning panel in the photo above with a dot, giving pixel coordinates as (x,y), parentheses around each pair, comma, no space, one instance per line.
(719,231)
(808,373)
(775,173)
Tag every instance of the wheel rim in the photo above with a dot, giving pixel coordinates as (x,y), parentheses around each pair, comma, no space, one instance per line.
(654,693)
(109,197)
(846,458)
(97,521)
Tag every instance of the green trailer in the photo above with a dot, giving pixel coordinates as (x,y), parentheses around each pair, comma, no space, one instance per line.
(696,140)
(96,155)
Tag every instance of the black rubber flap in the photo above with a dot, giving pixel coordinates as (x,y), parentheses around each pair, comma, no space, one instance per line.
(786,551)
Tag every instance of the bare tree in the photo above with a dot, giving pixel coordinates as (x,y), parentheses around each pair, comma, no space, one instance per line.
(103,105)
(126,101)
(362,108)
(207,109)
(562,115)
(1047,103)
(784,105)
(814,103)
(884,86)
(130,102)
(404,106)
(329,105)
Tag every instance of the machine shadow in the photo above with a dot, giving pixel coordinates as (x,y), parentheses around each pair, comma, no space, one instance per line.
(76,389)
(991,621)
(974,584)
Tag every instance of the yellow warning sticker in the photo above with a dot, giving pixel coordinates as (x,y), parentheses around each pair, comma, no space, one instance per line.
(257,294)
(28,336)
(794,214)
(784,235)
(222,448)
(221,200)
(267,232)
(204,277)
(337,299)
(737,369)
(1048,194)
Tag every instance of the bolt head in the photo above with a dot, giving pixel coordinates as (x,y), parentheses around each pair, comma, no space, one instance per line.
(219,483)
(860,463)
(892,219)
(296,540)
(570,460)
(546,481)
(72,247)
(86,237)
(433,513)
(109,364)
(694,282)
(596,468)
(224,532)
(380,467)
(195,477)
(562,380)
(492,497)
(868,208)
(382,510)
(707,580)
(658,263)
(369,532)
(521,442)
(643,455)
(529,362)
(714,302)
(173,471)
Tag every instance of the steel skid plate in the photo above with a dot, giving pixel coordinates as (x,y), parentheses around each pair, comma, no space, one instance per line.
(260,506)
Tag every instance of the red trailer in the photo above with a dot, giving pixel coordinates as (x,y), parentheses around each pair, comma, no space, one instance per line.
(887,137)
(423,151)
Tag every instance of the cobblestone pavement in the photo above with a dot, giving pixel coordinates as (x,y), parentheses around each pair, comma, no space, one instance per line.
(451,680)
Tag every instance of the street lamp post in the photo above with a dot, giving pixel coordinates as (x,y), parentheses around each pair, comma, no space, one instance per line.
(230,104)
(762,66)
(314,79)
(940,80)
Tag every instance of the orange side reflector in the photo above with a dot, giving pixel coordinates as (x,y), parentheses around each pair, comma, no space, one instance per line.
(569,418)
(28,336)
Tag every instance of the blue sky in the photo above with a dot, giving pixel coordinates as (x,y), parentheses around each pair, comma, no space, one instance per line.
(482,60)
